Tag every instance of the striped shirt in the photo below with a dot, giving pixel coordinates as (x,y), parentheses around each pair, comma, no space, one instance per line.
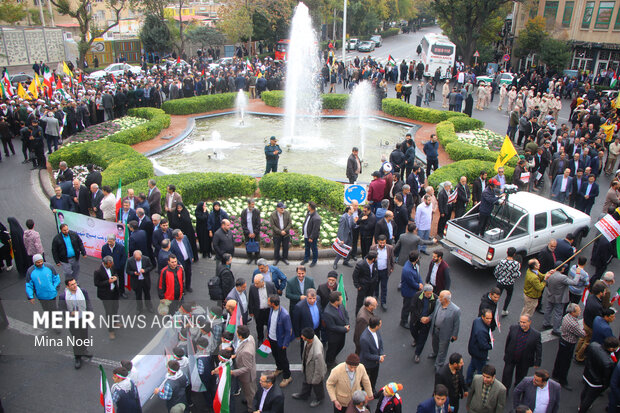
(571,329)
(507,271)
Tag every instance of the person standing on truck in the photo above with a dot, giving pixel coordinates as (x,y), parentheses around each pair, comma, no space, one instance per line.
(487,201)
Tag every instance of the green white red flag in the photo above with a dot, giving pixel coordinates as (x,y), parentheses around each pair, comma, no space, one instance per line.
(105,395)
(232,322)
(265,349)
(342,291)
(221,402)
(391,60)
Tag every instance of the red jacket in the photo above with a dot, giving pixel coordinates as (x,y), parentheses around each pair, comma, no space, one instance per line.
(171,283)
(376,190)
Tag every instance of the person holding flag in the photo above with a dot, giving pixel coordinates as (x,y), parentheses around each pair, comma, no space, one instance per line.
(125,392)
(506,153)
(245,363)
(173,389)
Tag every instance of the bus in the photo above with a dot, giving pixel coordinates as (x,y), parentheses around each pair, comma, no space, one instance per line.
(437,52)
(281,49)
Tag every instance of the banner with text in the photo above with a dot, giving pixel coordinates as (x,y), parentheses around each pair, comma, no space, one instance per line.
(94,232)
(609,227)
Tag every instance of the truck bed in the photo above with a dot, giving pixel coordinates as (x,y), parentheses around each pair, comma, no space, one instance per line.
(470,223)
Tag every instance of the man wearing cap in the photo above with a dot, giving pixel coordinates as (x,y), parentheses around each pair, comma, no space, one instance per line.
(42,280)
(345,379)
(272,153)
(325,289)
(487,201)
(280,223)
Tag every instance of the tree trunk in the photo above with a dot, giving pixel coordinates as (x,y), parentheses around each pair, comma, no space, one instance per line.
(468,49)
(334,28)
(181,29)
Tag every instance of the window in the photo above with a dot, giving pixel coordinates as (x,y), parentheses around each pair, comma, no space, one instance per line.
(617,25)
(558,217)
(540,221)
(551,10)
(587,15)
(568,13)
(534,9)
(603,18)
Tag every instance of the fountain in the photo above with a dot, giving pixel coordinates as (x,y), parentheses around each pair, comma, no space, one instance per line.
(241,105)
(358,110)
(213,148)
(302,99)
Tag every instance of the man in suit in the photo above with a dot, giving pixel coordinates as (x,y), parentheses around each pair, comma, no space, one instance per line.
(313,368)
(451,376)
(145,224)
(296,287)
(245,363)
(386,227)
(340,387)
(172,199)
(575,164)
(345,235)
(366,224)
(337,326)
(64,173)
(258,306)
(117,252)
(180,247)
(280,223)
(162,232)
(362,320)
(479,343)
(530,390)
(401,216)
(478,186)
(133,201)
(93,177)
(558,166)
(354,166)
(80,196)
(555,298)
(562,186)
(126,213)
(60,201)
(439,403)
(272,274)
(438,273)
(106,281)
(307,314)
(371,350)
(462,197)
(494,400)
(597,375)
(250,223)
(523,350)
(280,333)
(325,289)
(444,207)
(576,197)
(409,242)
(269,398)
(311,229)
(365,278)
(445,324)
(589,192)
(154,198)
(385,266)
(239,294)
(139,270)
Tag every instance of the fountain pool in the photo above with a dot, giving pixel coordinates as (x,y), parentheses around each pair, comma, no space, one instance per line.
(221,144)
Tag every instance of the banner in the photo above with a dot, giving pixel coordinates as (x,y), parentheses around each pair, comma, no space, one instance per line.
(342,250)
(94,232)
(609,227)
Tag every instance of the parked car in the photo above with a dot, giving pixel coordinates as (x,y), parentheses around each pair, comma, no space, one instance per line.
(367,46)
(173,63)
(20,78)
(116,69)
(505,79)
(223,62)
(525,221)
(352,44)
(377,39)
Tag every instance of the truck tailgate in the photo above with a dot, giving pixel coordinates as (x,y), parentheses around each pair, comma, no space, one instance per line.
(465,245)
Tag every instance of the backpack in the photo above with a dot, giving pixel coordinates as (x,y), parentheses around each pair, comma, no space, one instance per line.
(215,288)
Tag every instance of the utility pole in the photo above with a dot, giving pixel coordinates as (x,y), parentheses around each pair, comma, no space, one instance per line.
(344,32)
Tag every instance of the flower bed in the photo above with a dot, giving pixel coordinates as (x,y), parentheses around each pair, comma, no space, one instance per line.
(482,138)
(234,207)
(105,129)
(79,171)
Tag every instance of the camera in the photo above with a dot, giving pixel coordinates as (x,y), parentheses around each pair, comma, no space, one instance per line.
(510,189)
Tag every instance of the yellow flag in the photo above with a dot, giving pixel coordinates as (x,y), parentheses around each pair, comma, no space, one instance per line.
(20,91)
(66,69)
(506,153)
(32,89)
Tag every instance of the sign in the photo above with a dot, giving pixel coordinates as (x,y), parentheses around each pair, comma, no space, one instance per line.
(506,57)
(476,54)
(93,232)
(609,227)
(525,177)
(354,192)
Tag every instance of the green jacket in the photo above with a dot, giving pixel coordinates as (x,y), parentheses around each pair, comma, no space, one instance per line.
(534,284)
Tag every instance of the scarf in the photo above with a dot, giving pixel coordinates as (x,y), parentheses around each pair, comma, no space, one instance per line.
(124,385)
(75,302)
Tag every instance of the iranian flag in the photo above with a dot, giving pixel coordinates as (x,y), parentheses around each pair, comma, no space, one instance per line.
(3,91)
(342,291)
(48,81)
(8,88)
(232,322)
(391,60)
(614,80)
(105,396)
(616,297)
(265,349)
(60,89)
(221,402)
(119,197)
(584,296)
(248,64)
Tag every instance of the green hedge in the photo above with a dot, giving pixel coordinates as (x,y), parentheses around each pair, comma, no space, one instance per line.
(119,161)
(199,104)
(284,185)
(470,168)
(275,98)
(393,31)
(157,120)
(465,123)
(397,107)
(195,186)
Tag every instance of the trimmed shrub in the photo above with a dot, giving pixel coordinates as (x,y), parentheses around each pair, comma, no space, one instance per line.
(199,104)
(284,185)
(465,123)
(195,186)
(469,168)
(397,107)
(119,161)
(157,120)
(392,31)
(275,98)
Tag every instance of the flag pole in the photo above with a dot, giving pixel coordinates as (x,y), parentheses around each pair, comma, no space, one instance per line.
(575,254)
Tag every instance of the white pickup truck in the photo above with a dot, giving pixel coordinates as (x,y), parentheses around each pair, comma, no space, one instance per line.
(525,221)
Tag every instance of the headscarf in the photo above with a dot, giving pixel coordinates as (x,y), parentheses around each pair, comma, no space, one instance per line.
(19,248)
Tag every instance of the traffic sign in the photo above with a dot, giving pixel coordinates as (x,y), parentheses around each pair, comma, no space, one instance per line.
(506,57)
(355,193)
(476,54)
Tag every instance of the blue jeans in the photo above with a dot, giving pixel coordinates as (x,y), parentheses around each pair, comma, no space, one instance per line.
(425,234)
(315,250)
(475,366)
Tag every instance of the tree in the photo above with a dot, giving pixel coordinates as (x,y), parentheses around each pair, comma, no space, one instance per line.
(531,37)
(81,10)
(155,35)
(556,54)
(237,24)
(464,20)
(12,12)
(238,17)
(206,37)
(146,7)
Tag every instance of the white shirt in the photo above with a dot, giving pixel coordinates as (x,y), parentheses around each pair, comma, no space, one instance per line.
(263,397)
(374,335)
(434,274)
(138,268)
(588,188)
(281,219)
(262,298)
(273,324)
(424,216)
(267,276)
(249,221)
(170,200)
(542,399)
(306,226)
(382,258)
(564,183)
(182,249)
(112,285)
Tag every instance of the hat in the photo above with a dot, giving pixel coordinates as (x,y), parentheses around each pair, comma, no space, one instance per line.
(359,396)
(387,167)
(494,182)
(280,205)
(353,360)
(273,138)
(37,257)
(332,274)
(391,388)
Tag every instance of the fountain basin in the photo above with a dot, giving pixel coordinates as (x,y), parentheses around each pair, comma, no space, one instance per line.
(240,147)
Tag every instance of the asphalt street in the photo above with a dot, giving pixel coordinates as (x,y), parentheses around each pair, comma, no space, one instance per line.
(44,379)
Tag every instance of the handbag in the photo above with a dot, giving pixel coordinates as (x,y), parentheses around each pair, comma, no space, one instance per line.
(252,246)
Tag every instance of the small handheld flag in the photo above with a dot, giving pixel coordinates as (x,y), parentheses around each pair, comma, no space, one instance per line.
(342,291)
(265,349)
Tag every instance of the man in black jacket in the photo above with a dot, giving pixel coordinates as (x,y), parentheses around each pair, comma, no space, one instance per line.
(251,227)
(462,197)
(523,350)
(354,166)
(311,229)
(422,309)
(444,206)
(478,186)
(117,252)
(68,258)
(337,326)
(106,281)
(274,398)
(451,376)
(598,371)
(365,278)
(80,196)
(139,270)
(223,241)
(366,224)
(60,201)
(386,227)
(401,216)
(258,306)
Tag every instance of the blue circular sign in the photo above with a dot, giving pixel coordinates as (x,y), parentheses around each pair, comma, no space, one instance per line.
(355,193)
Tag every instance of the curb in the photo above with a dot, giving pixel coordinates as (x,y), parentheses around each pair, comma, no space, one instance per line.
(45,180)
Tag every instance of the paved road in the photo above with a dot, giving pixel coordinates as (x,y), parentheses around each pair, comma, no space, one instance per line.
(37,380)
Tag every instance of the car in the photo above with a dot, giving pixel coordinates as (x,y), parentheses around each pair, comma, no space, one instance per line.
(352,44)
(610,94)
(21,78)
(165,63)
(505,79)
(377,39)
(223,62)
(116,69)
(367,46)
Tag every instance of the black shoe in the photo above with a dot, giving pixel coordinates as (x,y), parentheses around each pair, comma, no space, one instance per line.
(298,396)
(383,307)
(25,161)
(124,295)
(312,264)
(404,325)
(77,363)
(88,356)
(556,333)
(285,261)
(547,327)
(432,356)
(276,262)
(354,258)
(303,262)
(189,289)
(335,266)
(249,261)
(347,264)
(315,403)
(424,252)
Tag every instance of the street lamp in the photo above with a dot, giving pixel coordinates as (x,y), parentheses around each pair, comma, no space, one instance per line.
(344,32)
